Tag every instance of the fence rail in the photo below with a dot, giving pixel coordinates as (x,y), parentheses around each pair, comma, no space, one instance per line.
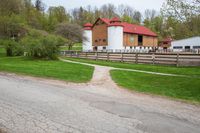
(139,58)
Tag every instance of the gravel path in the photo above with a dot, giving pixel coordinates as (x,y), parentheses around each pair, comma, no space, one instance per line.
(36,105)
(124,69)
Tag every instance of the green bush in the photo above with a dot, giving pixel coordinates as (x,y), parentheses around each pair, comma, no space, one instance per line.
(39,44)
(12,47)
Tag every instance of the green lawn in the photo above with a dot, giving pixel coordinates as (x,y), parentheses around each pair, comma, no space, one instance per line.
(192,71)
(2,51)
(175,87)
(50,69)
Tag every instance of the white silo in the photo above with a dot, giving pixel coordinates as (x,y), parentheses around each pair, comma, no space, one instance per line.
(115,35)
(87,44)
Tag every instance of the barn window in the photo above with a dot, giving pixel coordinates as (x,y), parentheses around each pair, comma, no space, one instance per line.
(95,48)
(96,40)
(196,47)
(104,40)
(140,40)
(177,47)
(132,39)
(187,47)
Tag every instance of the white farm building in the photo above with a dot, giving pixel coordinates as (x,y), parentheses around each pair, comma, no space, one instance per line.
(188,44)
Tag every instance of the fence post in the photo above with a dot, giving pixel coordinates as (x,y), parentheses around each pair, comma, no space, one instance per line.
(96,55)
(70,53)
(177,60)
(86,55)
(136,58)
(77,54)
(153,57)
(122,57)
(108,56)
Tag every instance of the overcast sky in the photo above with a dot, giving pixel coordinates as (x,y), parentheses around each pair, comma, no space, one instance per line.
(140,5)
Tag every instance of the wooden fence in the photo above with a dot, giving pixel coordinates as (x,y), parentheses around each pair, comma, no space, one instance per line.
(139,58)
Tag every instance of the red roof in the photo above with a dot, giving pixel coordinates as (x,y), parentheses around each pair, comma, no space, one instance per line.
(115,20)
(88,26)
(115,24)
(128,28)
(137,29)
(106,20)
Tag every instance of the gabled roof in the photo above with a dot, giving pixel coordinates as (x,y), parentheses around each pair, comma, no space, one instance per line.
(137,29)
(105,20)
(130,28)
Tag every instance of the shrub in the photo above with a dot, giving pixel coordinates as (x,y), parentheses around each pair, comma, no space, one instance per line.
(12,47)
(40,44)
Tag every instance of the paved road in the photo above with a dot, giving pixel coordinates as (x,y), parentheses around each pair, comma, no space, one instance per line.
(33,105)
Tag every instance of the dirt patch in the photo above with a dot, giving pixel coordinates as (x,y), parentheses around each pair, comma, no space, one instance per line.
(2,131)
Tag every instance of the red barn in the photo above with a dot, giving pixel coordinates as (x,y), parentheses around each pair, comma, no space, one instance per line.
(112,34)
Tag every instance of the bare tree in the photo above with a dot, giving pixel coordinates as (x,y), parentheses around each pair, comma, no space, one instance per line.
(150,14)
(108,11)
(181,9)
(137,16)
(97,13)
(39,5)
(124,10)
(72,32)
(80,16)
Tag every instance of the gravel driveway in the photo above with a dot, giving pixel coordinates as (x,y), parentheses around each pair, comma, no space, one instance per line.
(34,105)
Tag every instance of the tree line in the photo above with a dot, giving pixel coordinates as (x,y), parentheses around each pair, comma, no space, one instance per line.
(21,19)
(177,19)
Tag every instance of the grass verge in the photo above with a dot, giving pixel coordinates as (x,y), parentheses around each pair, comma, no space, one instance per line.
(49,69)
(190,71)
(174,87)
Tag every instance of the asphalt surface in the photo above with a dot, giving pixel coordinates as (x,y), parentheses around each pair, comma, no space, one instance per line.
(33,105)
